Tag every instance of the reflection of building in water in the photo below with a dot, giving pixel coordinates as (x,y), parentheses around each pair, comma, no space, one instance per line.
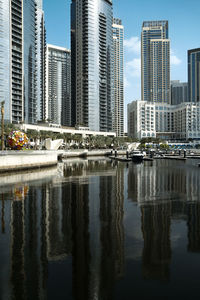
(163,190)
(86,168)
(28,258)
(17,249)
(112,233)
(80,238)
(40,231)
(163,180)
(82,216)
(193,211)
(156,221)
(56,219)
(156,233)
(98,254)
(58,222)
(141,182)
(118,222)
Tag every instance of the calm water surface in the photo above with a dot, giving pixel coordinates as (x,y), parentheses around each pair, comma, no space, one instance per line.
(100,230)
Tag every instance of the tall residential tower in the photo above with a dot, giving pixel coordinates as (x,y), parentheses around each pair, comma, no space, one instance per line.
(155,62)
(91,67)
(118,74)
(194,75)
(58,85)
(21,58)
(179,92)
(41,64)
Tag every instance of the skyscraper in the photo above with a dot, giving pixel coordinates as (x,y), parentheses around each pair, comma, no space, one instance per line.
(41,64)
(179,92)
(194,75)
(5,63)
(21,38)
(58,85)
(91,68)
(29,44)
(155,62)
(118,73)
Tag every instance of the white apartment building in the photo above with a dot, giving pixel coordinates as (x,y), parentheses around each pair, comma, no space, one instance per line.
(163,120)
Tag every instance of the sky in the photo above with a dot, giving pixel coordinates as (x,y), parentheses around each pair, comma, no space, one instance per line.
(184,33)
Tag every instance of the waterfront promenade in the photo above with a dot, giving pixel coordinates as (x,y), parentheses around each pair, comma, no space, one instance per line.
(11,161)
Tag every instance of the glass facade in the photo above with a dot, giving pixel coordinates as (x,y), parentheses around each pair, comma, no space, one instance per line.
(91,73)
(194,75)
(16,60)
(118,77)
(39,4)
(30,61)
(22,78)
(5,66)
(59,85)
(155,62)
(42,110)
(179,92)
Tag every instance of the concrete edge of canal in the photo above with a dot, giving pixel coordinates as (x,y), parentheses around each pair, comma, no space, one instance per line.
(12,161)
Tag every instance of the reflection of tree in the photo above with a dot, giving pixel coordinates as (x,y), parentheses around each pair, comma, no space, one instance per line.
(156,233)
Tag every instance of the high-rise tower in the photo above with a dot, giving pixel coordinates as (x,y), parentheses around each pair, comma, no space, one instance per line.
(41,64)
(118,74)
(59,85)
(155,62)
(179,92)
(21,59)
(91,67)
(194,75)
(5,63)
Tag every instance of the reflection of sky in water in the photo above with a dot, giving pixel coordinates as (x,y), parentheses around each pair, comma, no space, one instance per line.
(113,230)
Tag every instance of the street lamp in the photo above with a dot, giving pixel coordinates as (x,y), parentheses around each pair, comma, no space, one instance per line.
(2,125)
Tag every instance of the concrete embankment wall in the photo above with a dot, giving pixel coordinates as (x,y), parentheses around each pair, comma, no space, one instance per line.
(82,153)
(11,161)
(14,161)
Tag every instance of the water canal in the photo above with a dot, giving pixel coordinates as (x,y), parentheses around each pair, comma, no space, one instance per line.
(101,230)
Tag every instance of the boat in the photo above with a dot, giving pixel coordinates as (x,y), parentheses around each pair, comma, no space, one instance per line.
(136,155)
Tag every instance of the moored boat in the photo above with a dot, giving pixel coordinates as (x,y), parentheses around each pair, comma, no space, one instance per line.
(136,156)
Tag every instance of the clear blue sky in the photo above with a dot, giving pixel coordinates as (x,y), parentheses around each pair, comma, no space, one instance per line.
(184,32)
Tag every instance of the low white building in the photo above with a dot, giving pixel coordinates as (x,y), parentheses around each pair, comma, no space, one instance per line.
(146,119)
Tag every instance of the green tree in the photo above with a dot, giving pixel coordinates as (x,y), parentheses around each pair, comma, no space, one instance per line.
(164,146)
(142,147)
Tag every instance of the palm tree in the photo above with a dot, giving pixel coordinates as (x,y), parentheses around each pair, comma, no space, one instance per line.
(34,135)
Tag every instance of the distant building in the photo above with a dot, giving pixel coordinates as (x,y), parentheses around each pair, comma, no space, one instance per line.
(92,64)
(155,62)
(118,74)
(59,85)
(163,120)
(179,92)
(194,75)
